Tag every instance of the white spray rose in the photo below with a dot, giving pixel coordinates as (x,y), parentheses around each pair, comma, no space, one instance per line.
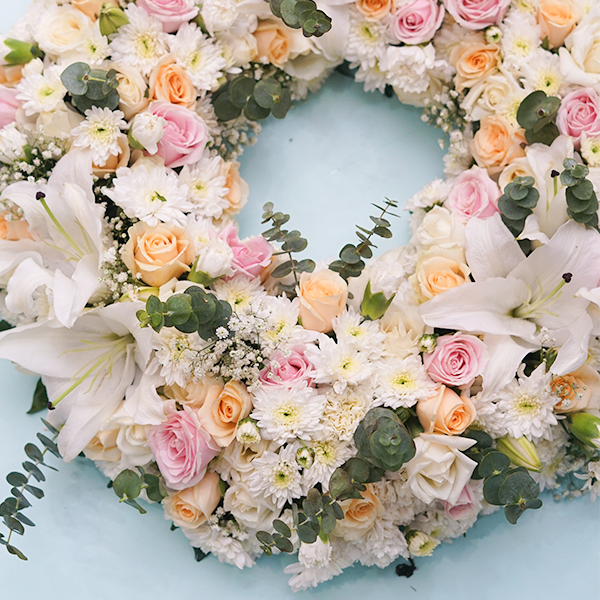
(147,129)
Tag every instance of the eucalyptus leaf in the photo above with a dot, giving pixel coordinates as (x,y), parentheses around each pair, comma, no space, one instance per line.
(282,528)
(33,452)
(14,525)
(34,470)
(16,479)
(35,491)
(127,484)
(266,92)
(13,550)
(49,444)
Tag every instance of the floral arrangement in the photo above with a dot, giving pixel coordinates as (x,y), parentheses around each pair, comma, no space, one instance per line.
(363,410)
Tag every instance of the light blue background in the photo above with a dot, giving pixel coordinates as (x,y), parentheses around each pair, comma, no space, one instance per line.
(324,164)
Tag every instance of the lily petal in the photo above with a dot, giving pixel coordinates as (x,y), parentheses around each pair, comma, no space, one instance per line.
(574,351)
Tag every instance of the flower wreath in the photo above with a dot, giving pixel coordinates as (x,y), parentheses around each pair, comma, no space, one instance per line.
(364,410)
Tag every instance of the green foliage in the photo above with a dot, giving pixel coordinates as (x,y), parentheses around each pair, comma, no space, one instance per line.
(255,99)
(21,52)
(4,326)
(111,18)
(291,242)
(12,507)
(302,14)
(91,87)
(128,485)
(517,203)
(193,310)
(351,263)
(537,115)
(373,306)
(582,203)
(40,399)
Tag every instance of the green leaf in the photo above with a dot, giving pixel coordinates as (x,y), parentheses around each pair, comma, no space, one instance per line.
(16,479)
(49,444)
(127,484)
(383,232)
(492,463)
(288,13)
(584,190)
(514,212)
(199,555)
(15,551)
(75,78)
(349,254)
(8,507)
(267,91)
(254,111)
(25,520)
(535,108)
(135,505)
(283,544)
(264,537)
(275,6)
(225,109)
(5,326)
(491,488)
(33,452)
(50,427)
(33,469)
(155,490)
(282,528)
(14,525)
(241,90)
(512,512)
(307,534)
(282,105)
(357,469)
(40,399)
(305,266)
(282,270)
(23,502)
(180,307)
(35,491)
(518,487)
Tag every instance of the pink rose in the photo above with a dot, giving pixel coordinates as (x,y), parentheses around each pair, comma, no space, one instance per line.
(182,449)
(463,506)
(477,14)
(8,106)
(579,113)
(456,360)
(171,13)
(286,371)
(250,256)
(473,194)
(417,21)
(184,137)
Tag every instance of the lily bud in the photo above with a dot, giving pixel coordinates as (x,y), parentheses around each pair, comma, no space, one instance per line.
(586,428)
(428,342)
(305,457)
(373,306)
(20,52)
(521,452)
(111,19)
(247,432)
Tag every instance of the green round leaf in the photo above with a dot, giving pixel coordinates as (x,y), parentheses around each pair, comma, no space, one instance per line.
(266,92)
(281,106)
(518,487)
(224,107)
(282,528)
(241,90)
(254,111)
(74,78)
(492,463)
(288,13)
(127,483)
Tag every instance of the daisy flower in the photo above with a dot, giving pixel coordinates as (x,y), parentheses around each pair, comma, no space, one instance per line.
(100,131)
(207,187)
(151,194)
(364,336)
(329,455)
(367,40)
(287,413)
(41,93)
(94,47)
(542,72)
(176,355)
(242,293)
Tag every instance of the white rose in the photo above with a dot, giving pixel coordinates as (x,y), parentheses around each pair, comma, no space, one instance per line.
(439,470)
(148,129)
(580,60)
(214,258)
(440,228)
(250,511)
(236,460)
(403,327)
(238,50)
(132,89)
(62,29)
(132,440)
(489,94)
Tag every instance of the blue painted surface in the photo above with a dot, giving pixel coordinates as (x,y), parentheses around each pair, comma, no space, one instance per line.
(323,164)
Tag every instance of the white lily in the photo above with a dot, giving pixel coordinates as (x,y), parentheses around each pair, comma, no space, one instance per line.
(86,369)
(65,256)
(521,303)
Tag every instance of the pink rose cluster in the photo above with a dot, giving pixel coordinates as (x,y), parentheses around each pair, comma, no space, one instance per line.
(477,14)
(182,449)
(579,113)
(185,135)
(473,194)
(250,256)
(456,360)
(416,22)
(171,13)
(287,371)
(8,106)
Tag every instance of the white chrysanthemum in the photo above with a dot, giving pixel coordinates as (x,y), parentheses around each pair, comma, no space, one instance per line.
(365,336)
(283,320)
(372,77)
(329,455)
(141,43)
(100,131)
(151,194)
(287,413)
(242,293)
(214,256)
(367,40)
(343,412)
(176,355)
(421,544)
(277,476)
(552,453)
(489,418)
(520,38)
(590,150)
(399,503)
(206,111)
(207,187)
(542,72)
(382,544)
(41,93)
(12,141)
(407,67)
(527,405)
(338,364)
(592,480)
(433,193)
(316,555)
(402,382)
(219,15)
(198,55)
(94,47)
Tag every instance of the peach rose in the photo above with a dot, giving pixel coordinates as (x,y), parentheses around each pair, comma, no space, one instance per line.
(323,297)
(359,516)
(132,90)
(14,229)
(446,413)
(496,144)
(439,270)
(169,82)
(157,254)
(91,8)
(114,162)
(578,390)
(238,193)
(10,75)
(374,10)
(189,508)
(223,408)
(193,394)
(556,19)
(276,43)
(473,62)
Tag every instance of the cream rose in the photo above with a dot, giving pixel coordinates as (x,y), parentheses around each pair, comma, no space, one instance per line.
(487,95)
(374,10)
(157,254)
(359,516)
(439,470)
(446,413)
(103,446)
(276,43)
(63,29)
(238,193)
(474,60)
(440,228)
(518,168)
(189,508)
(132,90)
(223,409)
(496,144)
(323,297)
(578,390)
(92,8)
(251,511)
(169,82)
(556,19)
(403,328)
(439,270)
